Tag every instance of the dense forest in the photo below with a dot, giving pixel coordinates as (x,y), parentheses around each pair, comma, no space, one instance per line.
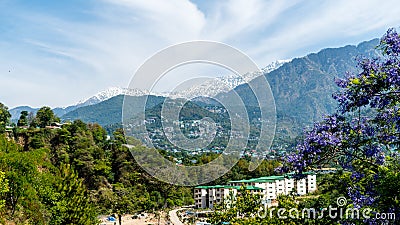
(70,173)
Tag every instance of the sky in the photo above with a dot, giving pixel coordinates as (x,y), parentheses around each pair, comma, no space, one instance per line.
(56,53)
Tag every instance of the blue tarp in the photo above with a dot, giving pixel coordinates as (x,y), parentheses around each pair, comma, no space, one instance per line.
(112,219)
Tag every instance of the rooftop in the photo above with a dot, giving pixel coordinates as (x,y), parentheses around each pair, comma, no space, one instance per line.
(260,179)
(249,187)
(268,179)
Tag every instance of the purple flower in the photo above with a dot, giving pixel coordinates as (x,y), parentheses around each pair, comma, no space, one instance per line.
(356,176)
(359,144)
(341,82)
(372,151)
(391,42)
(359,200)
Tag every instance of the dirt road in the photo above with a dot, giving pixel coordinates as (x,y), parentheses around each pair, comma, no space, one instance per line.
(173,216)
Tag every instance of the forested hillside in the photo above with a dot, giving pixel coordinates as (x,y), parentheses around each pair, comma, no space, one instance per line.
(72,173)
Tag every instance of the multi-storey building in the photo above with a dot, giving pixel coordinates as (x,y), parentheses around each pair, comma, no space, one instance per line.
(269,187)
(208,196)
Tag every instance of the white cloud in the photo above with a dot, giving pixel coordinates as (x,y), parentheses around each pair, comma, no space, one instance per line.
(235,19)
(75,58)
(174,20)
(331,24)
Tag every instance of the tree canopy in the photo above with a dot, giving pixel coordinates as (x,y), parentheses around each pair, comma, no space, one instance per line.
(45,117)
(363,137)
(4,117)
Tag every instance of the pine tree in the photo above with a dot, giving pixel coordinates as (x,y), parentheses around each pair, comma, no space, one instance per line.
(73,206)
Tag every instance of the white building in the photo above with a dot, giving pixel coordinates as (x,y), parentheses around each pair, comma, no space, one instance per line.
(270,187)
(208,196)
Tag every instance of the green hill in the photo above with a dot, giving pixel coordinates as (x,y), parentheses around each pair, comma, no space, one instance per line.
(110,111)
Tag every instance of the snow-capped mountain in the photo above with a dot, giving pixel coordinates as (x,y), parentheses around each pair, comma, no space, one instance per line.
(109,93)
(211,88)
(97,98)
(275,65)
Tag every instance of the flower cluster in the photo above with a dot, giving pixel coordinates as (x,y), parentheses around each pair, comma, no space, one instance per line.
(324,135)
(347,137)
(391,43)
(377,85)
(359,199)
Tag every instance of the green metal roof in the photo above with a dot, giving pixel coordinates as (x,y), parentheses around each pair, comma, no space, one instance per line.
(268,179)
(260,179)
(210,187)
(253,188)
(240,181)
(204,187)
(249,187)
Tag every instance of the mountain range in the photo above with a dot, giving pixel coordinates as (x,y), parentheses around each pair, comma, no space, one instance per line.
(209,88)
(95,99)
(302,89)
(213,87)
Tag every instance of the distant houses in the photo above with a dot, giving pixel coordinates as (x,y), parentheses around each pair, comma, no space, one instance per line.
(54,126)
(269,187)
(8,128)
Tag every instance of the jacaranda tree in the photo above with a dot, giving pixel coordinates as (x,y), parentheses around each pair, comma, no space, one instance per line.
(363,136)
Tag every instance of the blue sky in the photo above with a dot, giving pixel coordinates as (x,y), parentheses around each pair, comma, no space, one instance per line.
(58,52)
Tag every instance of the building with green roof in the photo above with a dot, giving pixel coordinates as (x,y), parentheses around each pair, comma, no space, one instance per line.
(269,187)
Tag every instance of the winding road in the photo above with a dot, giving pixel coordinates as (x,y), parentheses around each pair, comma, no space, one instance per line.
(173,216)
